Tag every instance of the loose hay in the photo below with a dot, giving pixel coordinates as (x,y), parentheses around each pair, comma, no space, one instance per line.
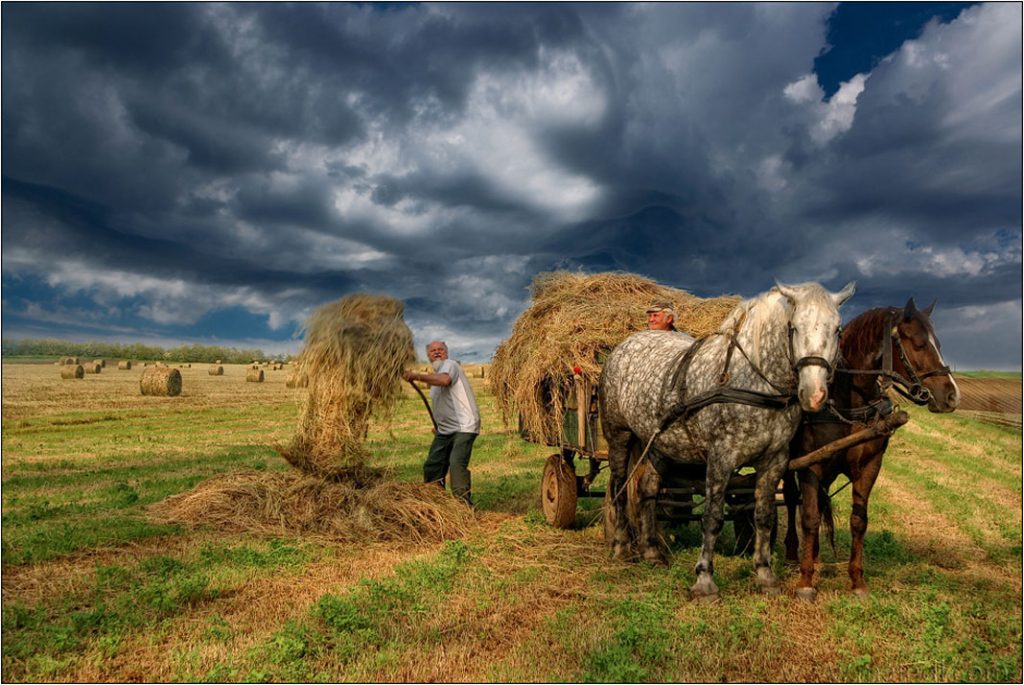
(356,349)
(573,320)
(292,503)
(124,366)
(162,381)
(254,376)
(216,370)
(71,371)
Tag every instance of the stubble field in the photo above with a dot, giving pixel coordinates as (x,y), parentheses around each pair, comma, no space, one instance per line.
(93,590)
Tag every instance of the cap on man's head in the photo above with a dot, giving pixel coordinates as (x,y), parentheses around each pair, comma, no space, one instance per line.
(661,306)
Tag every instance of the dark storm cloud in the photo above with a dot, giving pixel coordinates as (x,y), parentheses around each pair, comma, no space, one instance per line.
(177,161)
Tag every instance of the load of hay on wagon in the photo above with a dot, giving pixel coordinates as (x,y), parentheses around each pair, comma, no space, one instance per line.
(355,352)
(574,319)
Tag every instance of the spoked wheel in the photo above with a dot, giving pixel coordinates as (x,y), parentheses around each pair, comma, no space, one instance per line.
(558,492)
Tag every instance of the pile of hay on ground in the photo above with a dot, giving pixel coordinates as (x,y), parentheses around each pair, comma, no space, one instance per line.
(573,320)
(355,351)
(289,503)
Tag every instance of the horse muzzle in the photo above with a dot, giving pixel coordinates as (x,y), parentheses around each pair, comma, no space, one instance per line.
(815,373)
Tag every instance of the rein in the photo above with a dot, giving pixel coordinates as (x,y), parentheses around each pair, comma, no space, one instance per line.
(911,388)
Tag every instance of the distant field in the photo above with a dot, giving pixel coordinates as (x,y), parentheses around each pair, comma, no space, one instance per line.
(95,591)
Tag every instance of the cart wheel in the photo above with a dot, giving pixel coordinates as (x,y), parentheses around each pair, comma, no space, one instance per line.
(558,492)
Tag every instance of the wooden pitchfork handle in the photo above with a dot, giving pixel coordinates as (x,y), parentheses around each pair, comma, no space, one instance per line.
(425,403)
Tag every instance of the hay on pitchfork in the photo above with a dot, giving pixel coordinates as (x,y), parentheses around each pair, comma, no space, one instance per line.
(573,320)
(216,370)
(124,366)
(254,376)
(355,351)
(161,381)
(71,371)
(281,504)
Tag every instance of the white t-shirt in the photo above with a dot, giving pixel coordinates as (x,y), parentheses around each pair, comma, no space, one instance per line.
(455,407)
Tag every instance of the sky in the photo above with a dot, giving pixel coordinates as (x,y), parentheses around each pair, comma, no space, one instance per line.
(211,173)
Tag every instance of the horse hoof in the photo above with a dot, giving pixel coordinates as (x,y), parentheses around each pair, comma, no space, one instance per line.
(861,592)
(621,553)
(704,591)
(808,594)
(702,598)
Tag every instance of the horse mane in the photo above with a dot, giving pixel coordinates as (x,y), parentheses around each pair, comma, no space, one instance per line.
(755,312)
(862,336)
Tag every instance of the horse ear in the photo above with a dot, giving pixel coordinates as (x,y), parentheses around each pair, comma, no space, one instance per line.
(909,309)
(927,311)
(846,293)
(786,291)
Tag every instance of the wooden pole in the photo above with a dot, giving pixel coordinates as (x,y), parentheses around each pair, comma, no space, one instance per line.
(425,404)
(884,427)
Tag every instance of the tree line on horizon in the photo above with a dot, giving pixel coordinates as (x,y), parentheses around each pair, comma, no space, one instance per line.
(95,350)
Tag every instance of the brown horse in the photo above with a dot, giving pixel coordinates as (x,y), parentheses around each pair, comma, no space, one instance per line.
(880,349)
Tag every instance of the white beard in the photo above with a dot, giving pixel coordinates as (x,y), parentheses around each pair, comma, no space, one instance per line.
(436,364)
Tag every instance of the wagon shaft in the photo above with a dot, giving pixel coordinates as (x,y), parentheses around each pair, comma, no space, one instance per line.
(882,428)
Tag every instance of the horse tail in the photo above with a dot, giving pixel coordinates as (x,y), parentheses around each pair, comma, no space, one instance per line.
(828,518)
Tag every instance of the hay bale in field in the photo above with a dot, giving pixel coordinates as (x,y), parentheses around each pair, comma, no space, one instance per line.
(216,370)
(101,362)
(70,371)
(356,349)
(285,504)
(125,365)
(93,367)
(161,381)
(573,320)
(254,376)
(218,361)
(295,379)
(70,360)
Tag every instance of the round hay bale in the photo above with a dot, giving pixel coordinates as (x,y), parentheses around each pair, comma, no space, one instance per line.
(69,360)
(101,362)
(160,381)
(125,365)
(218,361)
(216,370)
(93,367)
(254,376)
(70,371)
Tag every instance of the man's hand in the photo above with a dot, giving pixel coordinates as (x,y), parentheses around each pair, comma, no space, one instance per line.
(409,375)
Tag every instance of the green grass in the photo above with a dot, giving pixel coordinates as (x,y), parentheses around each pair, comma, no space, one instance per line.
(94,590)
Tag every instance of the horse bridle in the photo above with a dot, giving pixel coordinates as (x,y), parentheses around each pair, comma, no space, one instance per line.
(810,360)
(912,388)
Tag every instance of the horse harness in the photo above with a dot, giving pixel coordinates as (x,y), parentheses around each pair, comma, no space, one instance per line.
(912,389)
(686,407)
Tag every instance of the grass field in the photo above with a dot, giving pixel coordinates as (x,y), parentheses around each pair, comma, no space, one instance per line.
(95,591)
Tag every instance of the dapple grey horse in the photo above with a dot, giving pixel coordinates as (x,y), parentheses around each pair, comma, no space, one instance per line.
(778,349)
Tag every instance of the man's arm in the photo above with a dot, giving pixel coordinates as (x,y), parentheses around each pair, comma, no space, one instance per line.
(441,379)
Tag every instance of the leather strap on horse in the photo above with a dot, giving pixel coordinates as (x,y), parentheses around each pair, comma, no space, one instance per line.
(913,388)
